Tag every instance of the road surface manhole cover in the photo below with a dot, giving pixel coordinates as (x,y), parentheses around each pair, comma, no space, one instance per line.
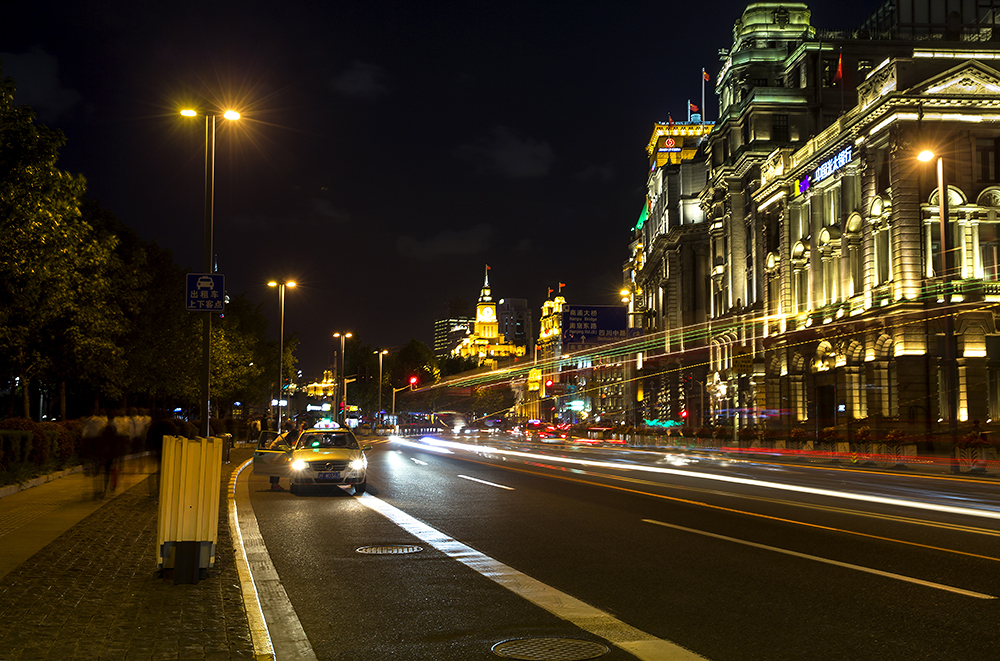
(390,549)
(549,649)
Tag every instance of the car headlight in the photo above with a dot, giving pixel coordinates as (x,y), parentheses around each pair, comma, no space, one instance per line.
(298,464)
(358,464)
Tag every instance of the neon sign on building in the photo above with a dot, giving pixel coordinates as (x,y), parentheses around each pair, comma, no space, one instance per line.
(839,160)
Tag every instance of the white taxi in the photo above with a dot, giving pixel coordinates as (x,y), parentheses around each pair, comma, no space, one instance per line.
(319,457)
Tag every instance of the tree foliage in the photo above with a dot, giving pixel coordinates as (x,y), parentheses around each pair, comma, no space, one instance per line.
(86,303)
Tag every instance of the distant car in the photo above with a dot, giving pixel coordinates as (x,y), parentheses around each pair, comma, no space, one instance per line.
(320,457)
(544,432)
(205,282)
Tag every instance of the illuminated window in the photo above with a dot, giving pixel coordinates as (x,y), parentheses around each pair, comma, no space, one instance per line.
(864,66)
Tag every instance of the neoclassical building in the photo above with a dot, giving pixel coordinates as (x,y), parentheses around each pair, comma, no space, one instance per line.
(812,289)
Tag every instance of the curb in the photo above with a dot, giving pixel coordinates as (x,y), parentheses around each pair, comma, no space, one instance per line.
(34,482)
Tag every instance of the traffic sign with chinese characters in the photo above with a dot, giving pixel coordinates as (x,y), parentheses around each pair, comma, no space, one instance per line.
(743,361)
(206,292)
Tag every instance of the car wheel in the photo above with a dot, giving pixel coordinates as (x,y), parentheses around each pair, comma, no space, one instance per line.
(360,488)
(294,488)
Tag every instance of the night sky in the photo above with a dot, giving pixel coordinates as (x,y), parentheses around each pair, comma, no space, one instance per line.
(388,151)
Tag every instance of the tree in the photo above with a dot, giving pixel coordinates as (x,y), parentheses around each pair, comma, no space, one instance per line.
(415,359)
(47,251)
(241,357)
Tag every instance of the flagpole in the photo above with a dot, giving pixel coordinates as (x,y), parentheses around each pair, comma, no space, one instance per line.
(689,111)
(704,74)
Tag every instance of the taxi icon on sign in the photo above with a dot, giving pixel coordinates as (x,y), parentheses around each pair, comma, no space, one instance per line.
(205,282)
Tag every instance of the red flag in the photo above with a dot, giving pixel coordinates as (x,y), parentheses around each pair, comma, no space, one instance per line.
(704,74)
(562,284)
(694,108)
(839,76)
(670,120)
(550,291)
(487,267)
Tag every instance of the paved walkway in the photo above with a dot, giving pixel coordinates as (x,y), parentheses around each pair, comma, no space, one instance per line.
(78,577)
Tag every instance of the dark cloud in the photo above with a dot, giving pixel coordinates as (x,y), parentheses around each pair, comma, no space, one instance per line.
(448,243)
(363,80)
(36,74)
(327,210)
(506,153)
(597,173)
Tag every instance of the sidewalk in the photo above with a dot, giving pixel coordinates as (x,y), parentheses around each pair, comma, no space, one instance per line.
(78,577)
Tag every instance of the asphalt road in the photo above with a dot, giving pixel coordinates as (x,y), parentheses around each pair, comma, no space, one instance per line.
(649,555)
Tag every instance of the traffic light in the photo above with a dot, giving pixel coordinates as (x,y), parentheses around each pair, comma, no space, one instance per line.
(548,384)
(413,381)
(684,414)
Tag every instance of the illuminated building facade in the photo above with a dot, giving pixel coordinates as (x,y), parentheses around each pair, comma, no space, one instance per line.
(666,278)
(486,343)
(813,291)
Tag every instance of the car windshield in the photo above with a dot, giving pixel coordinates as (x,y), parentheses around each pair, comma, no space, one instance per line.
(327,439)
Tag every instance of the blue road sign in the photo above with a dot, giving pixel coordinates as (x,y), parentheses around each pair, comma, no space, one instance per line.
(206,292)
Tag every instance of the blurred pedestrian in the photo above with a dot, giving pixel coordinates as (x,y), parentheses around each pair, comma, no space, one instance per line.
(160,427)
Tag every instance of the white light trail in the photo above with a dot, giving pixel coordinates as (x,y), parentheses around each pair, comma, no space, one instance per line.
(440,445)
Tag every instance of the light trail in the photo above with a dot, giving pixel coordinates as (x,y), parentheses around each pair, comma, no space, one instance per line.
(441,445)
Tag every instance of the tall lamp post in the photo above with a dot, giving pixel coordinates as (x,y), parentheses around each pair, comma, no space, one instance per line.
(206,367)
(281,284)
(380,354)
(342,399)
(951,396)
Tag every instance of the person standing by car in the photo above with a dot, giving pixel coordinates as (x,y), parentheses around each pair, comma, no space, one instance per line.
(287,439)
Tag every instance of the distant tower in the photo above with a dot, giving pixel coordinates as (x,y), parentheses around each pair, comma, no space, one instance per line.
(487,326)
(486,344)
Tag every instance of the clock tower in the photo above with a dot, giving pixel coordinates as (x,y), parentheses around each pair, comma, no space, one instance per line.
(486,312)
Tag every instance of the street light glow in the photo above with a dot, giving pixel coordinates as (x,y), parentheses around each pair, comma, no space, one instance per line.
(229,114)
(925,155)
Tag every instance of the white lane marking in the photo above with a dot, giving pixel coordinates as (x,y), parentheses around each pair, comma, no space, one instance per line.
(492,484)
(281,625)
(639,643)
(878,572)
(418,462)
(440,445)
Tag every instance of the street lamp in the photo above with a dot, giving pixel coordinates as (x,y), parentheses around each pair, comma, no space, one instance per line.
(206,367)
(380,354)
(951,396)
(281,284)
(342,399)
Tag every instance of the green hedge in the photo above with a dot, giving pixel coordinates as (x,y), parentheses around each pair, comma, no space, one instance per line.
(15,447)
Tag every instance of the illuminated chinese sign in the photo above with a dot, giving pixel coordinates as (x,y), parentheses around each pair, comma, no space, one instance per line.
(586,325)
(830,166)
